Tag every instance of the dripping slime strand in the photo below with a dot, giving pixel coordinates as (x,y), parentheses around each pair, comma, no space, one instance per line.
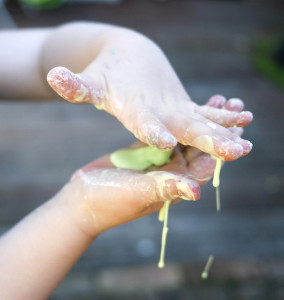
(163,216)
(216,182)
(206,270)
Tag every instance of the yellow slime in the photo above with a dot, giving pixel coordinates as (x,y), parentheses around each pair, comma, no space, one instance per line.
(163,216)
(205,272)
(216,182)
(142,159)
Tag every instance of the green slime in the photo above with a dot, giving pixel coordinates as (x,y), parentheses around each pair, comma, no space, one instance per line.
(140,159)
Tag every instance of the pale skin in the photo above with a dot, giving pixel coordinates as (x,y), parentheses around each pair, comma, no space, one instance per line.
(94,63)
(37,253)
(128,75)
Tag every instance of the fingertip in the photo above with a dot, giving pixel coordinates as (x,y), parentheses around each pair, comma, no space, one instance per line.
(195,188)
(229,151)
(166,141)
(237,130)
(247,147)
(234,104)
(153,132)
(202,168)
(170,186)
(186,189)
(216,101)
(72,87)
(57,77)
(64,83)
(245,118)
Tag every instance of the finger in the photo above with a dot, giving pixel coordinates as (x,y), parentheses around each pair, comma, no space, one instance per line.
(148,129)
(202,168)
(74,87)
(151,187)
(217,101)
(237,130)
(210,138)
(170,186)
(234,104)
(225,117)
(191,153)
(117,196)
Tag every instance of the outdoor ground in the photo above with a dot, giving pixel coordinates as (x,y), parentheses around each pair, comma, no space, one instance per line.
(210,44)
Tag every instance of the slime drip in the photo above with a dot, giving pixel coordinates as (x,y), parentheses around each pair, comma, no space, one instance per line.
(162,213)
(163,216)
(206,270)
(142,159)
(216,182)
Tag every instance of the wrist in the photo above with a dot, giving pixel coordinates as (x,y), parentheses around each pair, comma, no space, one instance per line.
(73,202)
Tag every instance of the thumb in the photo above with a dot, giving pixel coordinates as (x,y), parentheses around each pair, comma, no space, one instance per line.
(169,186)
(74,88)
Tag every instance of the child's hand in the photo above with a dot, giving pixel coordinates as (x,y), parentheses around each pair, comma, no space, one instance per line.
(106,197)
(131,78)
(115,196)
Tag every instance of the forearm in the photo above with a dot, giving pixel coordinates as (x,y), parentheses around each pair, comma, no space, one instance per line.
(39,251)
(21,75)
(28,54)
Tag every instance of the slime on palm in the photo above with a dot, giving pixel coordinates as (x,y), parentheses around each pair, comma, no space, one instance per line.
(141,159)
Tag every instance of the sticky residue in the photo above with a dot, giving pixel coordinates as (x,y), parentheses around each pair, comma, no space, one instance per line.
(205,143)
(161,263)
(163,179)
(161,216)
(183,190)
(216,178)
(81,94)
(216,182)
(208,265)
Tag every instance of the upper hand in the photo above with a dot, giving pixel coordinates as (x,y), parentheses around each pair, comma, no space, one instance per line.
(132,79)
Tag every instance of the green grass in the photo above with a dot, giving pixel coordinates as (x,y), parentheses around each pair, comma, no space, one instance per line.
(264,61)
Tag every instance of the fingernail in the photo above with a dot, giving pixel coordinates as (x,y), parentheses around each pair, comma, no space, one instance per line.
(173,186)
(245,119)
(235,104)
(72,87)
(230,151)
(247,146)
(167,141)
(217,101)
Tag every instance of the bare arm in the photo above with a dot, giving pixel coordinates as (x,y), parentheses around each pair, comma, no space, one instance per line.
(38,252)
(21,74)
(124,73)
(26,56)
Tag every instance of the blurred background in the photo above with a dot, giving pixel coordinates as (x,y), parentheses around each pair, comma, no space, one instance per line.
(230,47)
